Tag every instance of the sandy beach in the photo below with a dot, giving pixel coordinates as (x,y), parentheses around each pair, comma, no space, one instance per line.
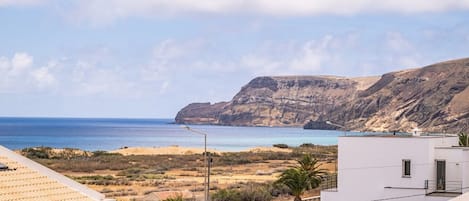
(177,150)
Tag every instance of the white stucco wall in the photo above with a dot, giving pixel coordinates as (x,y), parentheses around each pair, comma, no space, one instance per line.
(367,165)
(457,167)
(465,171)
(452,158)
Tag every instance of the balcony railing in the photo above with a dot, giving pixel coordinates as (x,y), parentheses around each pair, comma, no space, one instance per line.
(329,183)
(314,198)
(442,186)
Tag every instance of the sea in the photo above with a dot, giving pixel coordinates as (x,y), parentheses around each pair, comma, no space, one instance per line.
(109,134)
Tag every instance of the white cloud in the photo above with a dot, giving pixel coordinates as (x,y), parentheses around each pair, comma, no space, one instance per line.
(164,87)
(260,65)
(99,11)
(294,58)
(172,62)
(85,78)
(43,76)
(312,55)
(4,3)
(171,59)
(20,62)
(396,42)
(19,74)
(161,56)
(65,76)
(170,56)
(400,51)
(167,49)
(4,64)
(14,72)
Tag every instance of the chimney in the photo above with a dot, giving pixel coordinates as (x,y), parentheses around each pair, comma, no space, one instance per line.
(416,132)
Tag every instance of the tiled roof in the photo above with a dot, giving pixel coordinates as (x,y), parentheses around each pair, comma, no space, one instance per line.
(26,180)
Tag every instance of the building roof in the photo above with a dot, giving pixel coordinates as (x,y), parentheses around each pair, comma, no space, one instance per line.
(26,180)
(454,147)
(400,135)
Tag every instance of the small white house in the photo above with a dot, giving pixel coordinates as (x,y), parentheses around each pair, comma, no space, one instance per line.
(400,167)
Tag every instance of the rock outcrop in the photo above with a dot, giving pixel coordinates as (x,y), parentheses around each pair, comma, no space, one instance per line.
(275,101)
(434,97)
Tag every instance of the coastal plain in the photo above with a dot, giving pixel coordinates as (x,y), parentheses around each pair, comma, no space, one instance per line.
(131,173)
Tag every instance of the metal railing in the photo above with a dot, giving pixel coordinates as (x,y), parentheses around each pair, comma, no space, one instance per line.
(442,186)
(329,183)
(314,198)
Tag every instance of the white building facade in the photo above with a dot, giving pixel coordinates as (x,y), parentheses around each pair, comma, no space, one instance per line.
(404,168)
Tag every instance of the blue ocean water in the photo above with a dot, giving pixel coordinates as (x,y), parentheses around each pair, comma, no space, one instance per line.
(110,134)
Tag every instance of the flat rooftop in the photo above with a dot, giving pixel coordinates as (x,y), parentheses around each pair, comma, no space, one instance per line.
(399,135)
(454,147)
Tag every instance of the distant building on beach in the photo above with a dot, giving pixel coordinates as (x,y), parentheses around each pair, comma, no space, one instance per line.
(400,167)
(25,180)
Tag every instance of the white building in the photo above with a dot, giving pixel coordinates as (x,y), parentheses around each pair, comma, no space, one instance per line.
(397,167)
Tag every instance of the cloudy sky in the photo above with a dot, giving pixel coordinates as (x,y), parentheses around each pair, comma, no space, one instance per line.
(149,58)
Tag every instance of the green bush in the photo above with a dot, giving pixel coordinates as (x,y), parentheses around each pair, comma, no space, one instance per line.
(307,145)
(37,152)
(276,189)
(100,153)
(254,192)
(176,198)
(227,195)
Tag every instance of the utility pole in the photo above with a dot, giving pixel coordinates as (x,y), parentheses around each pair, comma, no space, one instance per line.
(206,163)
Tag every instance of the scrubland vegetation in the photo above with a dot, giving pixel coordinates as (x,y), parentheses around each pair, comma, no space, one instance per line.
(236,176)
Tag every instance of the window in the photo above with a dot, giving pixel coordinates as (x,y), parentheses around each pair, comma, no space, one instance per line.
(405,168)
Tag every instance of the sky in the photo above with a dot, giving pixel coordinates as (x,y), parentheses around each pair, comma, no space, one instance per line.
(150,58)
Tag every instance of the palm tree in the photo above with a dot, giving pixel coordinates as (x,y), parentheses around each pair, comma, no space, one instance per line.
(463,139)
(312,167)
(296,180)
(307,175)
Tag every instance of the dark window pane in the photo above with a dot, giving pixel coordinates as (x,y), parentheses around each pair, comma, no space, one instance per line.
(407,168)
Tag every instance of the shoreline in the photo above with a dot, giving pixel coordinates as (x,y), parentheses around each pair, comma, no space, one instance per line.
(173,149)
(179,150)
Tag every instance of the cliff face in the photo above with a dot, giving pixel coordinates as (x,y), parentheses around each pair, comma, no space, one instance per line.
(435,97)
(201,113)
(276,101)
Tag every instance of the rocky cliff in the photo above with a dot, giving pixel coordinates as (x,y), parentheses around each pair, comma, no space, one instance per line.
(275,101)
(434,97)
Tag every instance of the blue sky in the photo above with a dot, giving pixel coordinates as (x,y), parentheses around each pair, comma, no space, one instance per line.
(148,59)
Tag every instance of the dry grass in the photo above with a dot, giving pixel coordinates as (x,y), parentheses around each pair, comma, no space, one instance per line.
(115,174)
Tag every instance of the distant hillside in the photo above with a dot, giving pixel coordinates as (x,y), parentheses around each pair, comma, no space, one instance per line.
(434,97)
